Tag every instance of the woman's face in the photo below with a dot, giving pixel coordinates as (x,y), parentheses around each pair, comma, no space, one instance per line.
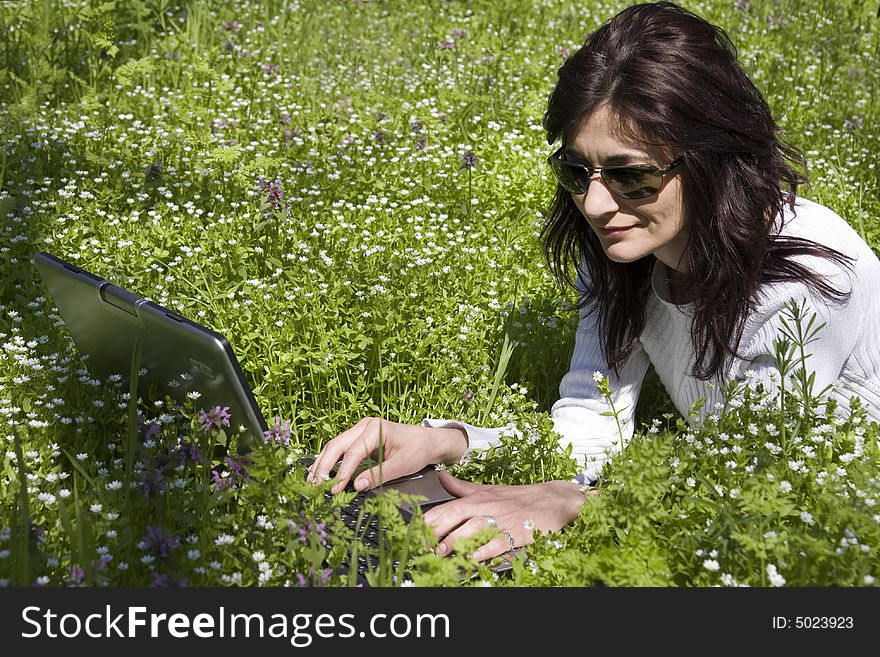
(629,229)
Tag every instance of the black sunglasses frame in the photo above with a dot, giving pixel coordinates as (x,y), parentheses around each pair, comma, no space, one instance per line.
(556,159)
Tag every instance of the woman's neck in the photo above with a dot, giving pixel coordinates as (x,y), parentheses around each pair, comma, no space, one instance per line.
(676,283)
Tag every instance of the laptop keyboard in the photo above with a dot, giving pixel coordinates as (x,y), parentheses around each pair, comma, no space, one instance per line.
(369,532)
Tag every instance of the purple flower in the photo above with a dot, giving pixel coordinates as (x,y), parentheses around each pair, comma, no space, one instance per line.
(159,580)
(742,5)
(186,451)
(274,192)
(468,159)
(446,44)
(153,482)
(234,476)
(853,124)
(457,33)
(270,69)
(564,52)
(215,418)
(154,171)
(380,137)
(280,433)
(77,574)
(307,527)
(310,579)
(232,26)
(416,126)
(159,542)
(468,395)
(421,144)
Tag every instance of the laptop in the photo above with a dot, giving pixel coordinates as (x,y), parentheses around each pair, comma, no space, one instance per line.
(117,330)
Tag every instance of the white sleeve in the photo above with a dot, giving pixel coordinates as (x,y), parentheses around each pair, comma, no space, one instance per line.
(577,415)
(827,352)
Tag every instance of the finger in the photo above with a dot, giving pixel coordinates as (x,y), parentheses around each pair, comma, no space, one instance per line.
(465,531)
(459,487)
(359,449)
(496,547)
(444,518)
(333,450)
(393,468)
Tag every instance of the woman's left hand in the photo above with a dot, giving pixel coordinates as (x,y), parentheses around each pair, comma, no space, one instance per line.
(518,511)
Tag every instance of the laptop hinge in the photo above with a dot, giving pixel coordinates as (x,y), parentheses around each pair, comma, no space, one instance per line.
(119,298)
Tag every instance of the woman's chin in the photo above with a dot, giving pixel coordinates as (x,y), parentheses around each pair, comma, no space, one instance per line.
(623,255)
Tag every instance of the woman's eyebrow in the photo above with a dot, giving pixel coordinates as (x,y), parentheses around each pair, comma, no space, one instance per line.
(626,157)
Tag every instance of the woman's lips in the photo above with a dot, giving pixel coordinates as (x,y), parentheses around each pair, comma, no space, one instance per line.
(616,232)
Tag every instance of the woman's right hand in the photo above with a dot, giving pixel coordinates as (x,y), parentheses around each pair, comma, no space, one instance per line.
(406,450)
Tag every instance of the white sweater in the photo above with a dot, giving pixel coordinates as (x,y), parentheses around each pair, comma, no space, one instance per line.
(847,349)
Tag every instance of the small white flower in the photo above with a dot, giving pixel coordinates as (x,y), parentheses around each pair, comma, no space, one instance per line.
(224,539)
(598,376)
(96,508)
(529,525)
(868,580)
(775,578)
(785,486)
(807,517)
(193,394)
(114,485)
(711,564)
(46,498)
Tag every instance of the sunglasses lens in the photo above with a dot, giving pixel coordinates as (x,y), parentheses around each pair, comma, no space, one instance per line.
(633,182)
(572,179)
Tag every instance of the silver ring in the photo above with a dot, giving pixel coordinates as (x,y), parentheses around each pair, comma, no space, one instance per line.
(510,541)
(490,520)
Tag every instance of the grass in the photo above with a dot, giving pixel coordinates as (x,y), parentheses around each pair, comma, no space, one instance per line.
(352,193)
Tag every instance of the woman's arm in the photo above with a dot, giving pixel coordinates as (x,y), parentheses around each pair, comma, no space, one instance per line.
(577,415)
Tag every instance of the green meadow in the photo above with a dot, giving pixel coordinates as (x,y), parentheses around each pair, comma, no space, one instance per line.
(352,192)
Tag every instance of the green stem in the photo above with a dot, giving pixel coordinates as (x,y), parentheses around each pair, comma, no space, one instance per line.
(22,539)
(134,377)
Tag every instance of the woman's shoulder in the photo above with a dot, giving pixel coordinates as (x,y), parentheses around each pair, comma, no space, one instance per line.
(820,224)
(855,276)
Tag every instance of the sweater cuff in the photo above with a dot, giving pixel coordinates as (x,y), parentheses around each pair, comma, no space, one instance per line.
(479,438)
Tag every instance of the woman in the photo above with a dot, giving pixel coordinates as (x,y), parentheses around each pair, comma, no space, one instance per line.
(676,205)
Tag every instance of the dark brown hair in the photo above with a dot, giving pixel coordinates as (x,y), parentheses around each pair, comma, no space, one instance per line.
(672,79)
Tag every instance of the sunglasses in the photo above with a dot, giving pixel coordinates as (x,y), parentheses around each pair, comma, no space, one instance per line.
(631,181)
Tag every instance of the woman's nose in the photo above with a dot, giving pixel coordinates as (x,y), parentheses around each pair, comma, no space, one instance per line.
(597,201)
